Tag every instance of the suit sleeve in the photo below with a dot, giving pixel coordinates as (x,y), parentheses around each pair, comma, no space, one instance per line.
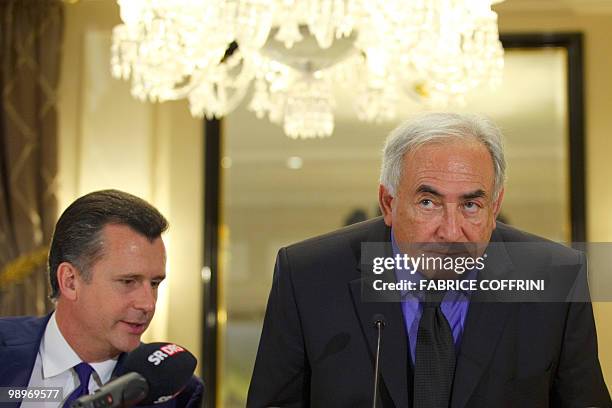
(579,380)
(281,375)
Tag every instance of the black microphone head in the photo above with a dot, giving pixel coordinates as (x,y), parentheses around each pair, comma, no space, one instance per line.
(378,319)
(167,368)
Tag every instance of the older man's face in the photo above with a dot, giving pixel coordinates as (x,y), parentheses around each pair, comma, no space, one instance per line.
(445,195)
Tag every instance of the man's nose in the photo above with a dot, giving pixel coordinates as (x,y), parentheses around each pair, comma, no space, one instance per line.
(146,298)
(450,229)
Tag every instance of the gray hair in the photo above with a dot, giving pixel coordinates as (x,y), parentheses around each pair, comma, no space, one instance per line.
(434,127)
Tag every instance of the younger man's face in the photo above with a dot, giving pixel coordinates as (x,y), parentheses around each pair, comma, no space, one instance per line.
(116,306)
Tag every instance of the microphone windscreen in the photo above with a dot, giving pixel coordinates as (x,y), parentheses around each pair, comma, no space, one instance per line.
(167,368)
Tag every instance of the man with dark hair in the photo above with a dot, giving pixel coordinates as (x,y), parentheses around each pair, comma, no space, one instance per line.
(106,262)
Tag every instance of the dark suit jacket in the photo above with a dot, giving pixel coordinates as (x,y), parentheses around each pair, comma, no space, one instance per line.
(318,341)
(20,339)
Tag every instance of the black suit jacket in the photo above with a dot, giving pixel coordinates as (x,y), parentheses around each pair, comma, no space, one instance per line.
(20,339)
(318,341)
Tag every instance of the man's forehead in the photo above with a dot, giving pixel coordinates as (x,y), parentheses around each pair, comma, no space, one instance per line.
(461,160)
(449,147)
(122,243)
(123,234)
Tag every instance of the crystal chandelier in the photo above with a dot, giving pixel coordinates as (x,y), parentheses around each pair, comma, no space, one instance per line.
(294,51)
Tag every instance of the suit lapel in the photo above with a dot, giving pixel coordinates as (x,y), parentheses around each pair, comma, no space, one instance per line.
(485,323)
(18,362)
(20,351)
(394,363)
(394,349)
(118,370)
(483,328)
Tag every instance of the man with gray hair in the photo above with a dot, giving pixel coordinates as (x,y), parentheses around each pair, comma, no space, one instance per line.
(441,189)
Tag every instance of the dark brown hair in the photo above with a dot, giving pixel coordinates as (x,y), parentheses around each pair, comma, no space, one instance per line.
(77,238)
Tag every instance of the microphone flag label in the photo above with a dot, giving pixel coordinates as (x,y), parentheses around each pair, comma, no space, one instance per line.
(165,351)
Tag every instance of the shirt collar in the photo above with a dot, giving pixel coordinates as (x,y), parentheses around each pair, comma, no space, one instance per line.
(104,369)
(57,356)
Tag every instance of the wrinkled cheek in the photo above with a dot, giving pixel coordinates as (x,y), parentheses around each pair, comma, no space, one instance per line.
(425,224)
(479,230)
(476,223)
(414,230)
(410,215)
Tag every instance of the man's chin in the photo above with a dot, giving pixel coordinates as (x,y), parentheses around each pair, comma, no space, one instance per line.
(128,336)
(127,343)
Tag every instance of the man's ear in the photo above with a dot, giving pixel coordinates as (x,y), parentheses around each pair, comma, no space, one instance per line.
(385,200)
(497,204)
(67,276)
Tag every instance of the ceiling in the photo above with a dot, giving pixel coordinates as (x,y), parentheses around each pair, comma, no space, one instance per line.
(575,6)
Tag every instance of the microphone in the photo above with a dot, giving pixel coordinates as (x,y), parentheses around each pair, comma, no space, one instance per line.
(151,374)
(125,391)
(379,323)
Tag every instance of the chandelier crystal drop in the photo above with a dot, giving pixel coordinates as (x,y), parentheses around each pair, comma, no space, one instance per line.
(294,51)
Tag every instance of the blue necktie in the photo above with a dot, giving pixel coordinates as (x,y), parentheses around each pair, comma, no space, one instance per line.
(84,371)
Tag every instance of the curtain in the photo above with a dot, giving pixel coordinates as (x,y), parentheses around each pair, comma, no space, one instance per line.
(30,45)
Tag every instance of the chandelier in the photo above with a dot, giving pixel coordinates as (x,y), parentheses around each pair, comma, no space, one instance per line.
(295,51)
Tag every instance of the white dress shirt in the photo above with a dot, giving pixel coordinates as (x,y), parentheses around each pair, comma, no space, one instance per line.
(54,367)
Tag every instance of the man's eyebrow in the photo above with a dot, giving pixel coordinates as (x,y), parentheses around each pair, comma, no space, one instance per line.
(139,276)
(474,194)
(424,188)
(128,276)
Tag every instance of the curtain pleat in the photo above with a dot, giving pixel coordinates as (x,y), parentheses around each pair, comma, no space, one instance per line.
(30,49)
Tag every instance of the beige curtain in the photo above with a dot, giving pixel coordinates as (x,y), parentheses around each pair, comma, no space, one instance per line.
(30,43)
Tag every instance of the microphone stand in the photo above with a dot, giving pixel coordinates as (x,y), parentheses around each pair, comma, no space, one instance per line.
(379,323)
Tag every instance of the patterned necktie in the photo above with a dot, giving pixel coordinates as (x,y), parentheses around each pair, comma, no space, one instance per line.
(84,371)
(435,356)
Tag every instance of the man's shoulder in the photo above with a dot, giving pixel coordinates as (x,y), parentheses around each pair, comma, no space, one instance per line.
(513,234)
(373,230)
(21,329)
(526,242)
(192,394)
